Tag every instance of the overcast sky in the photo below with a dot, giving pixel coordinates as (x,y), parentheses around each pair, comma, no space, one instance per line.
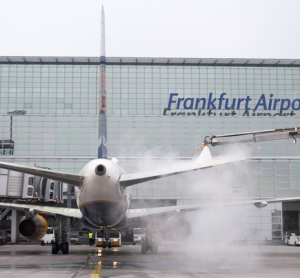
(151,28)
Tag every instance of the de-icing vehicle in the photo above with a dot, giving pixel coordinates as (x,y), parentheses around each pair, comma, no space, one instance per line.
(102,188)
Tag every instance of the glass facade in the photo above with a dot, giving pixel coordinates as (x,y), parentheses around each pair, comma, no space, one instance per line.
(60,128)
(61,103)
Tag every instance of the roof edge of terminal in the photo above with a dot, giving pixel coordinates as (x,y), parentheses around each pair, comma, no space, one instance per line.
(49,60)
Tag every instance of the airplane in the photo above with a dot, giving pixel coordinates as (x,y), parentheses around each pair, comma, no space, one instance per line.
(102,191)
(102,188)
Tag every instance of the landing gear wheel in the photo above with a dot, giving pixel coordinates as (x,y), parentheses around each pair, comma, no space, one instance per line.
(104,244)
(55,248)
(42,243)
(154,248)
(65,248)
(109,244)
(133,243)
(144,248)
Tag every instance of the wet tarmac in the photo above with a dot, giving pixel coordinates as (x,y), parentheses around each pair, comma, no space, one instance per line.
(32,260)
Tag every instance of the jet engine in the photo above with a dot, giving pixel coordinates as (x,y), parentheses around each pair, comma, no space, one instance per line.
(33,229)
(177,226)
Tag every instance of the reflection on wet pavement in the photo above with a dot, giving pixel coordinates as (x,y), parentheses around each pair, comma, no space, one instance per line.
(33,260)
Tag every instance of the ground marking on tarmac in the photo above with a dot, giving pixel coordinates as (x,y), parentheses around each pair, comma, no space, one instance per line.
(82,266)
(97,269)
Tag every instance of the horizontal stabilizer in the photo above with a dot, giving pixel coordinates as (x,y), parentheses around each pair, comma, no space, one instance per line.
(135,178)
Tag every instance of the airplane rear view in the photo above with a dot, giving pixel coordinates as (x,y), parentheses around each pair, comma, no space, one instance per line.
(102,188)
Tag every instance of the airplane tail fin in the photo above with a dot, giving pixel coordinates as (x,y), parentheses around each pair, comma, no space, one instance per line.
(102,135)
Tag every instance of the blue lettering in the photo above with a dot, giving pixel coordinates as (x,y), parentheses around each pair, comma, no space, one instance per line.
(239,102)
(191,104)
(171,101)
(221,99)
(210,102)
(203,102)
(236,103)
(293,104)
(232,105)
(262,101)
(275,103)
(282,105)
(179,100)
(270,102)
(247,101)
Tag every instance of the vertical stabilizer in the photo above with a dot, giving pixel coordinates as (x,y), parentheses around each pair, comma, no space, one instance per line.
(102,149)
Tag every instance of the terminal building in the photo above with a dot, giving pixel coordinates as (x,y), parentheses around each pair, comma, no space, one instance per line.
(159,110)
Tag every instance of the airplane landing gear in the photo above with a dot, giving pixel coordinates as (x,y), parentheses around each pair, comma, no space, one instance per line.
(65,248)
(59,244)
(144,247)
(55,248)
(148,243)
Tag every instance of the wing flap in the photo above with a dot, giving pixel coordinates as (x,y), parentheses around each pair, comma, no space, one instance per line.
(72,179)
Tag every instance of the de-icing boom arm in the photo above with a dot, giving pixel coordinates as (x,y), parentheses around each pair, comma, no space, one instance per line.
(258,136)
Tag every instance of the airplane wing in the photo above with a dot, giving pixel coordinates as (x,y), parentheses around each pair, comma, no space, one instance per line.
(135,178)
(144,212)
(139,213)
(72,179)
(67,212)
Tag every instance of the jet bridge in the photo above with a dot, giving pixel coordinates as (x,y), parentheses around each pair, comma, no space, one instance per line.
(255,136)
(16,186)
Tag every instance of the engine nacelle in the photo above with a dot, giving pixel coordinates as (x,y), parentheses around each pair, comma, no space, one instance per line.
(33,229)
(177,227)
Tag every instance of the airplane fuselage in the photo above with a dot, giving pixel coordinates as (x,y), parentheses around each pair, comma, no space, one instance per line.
(101,199)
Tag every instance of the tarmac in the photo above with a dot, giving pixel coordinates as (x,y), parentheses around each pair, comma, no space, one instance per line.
(198,260)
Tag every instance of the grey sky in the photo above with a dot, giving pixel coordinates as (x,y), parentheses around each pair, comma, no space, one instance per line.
(144,28)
